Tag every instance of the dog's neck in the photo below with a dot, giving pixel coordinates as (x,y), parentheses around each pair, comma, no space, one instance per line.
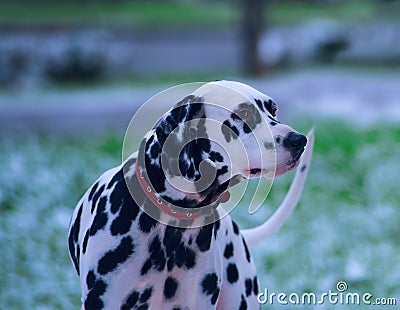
(183,165)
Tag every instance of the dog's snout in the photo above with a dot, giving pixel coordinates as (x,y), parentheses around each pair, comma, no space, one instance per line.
(294,142)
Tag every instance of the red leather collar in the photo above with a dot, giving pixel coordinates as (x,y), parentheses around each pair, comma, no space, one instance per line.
(149,192)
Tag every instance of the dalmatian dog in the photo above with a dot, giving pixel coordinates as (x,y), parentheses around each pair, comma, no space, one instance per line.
(150,234)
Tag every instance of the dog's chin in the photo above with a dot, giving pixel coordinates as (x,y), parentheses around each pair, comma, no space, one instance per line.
(290,165)
(281,168)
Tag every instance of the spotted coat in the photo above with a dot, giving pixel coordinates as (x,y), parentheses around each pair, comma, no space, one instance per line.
(129,260)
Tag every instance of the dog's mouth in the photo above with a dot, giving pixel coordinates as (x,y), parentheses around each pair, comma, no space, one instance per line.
(294,162)
(291,164)
(253,172)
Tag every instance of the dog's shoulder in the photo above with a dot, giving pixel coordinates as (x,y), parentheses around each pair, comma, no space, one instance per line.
(93,202)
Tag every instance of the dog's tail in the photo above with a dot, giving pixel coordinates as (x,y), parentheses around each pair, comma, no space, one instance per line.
(274,223)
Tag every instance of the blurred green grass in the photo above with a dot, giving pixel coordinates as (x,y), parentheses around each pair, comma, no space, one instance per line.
(123,13)
(292,12)
(345,227)
(160,14)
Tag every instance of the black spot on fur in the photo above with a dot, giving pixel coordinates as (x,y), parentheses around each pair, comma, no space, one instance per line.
(185,256)
(96,197)
(228,252)
(229,131)
(93,302)
(146,223)
(156,258)
(222,170)
(215,296)
(255,286)
(172,237)
(203,239)
(92,191)
(127,214)
(249,115)
(249,286)
(137,301)
(85,241)
(209,283)
(100,220)
(170,287)
(131,301)
(232,273)
(273,123)
(177,253)
(90,279)
(269,145)
(243,304)
(77,224)
(209,286)
(172,240)
(259,104)
(78,255)
(278,140)
(157,254)
(217,226)
(235,228)
(271,107)
(110,261)
(235,117)
(246,128)
(155,150)
(96,287)
(248,257)
(303,168)
(146,294)
(146,267)
(143,307)
(156,174)
(116,178)
(119,196)
(73,239)
(215,156)
(101,206)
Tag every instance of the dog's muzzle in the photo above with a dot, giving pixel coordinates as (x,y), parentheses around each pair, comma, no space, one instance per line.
(294,143)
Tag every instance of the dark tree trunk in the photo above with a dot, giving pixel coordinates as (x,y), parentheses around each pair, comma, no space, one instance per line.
(252,26)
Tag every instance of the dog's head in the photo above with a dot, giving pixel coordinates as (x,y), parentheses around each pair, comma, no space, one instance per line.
(223,132)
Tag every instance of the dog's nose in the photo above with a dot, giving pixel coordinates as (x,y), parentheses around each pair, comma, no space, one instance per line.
(294,142)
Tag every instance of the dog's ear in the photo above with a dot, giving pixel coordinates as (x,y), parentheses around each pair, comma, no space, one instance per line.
(179,138)
(267,105)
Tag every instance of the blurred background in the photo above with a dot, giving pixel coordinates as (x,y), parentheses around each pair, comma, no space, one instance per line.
(72,74)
